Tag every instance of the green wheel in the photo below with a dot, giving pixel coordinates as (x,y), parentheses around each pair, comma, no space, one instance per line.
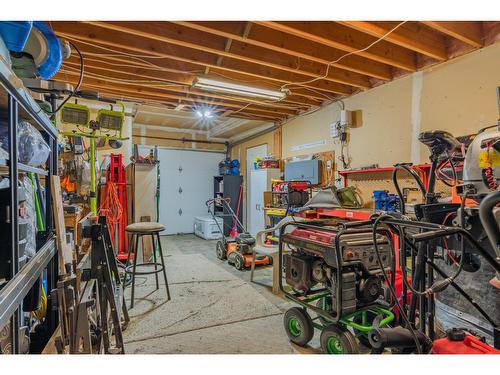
(221,250)
(298,326)
(335,339)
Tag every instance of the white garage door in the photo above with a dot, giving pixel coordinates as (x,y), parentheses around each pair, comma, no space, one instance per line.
(186,182)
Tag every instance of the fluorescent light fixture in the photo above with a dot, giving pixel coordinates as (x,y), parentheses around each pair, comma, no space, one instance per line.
(209,84)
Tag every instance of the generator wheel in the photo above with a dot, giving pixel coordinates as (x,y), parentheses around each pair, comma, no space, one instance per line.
(335,339)
(298,326)
(221,250)
(239,261)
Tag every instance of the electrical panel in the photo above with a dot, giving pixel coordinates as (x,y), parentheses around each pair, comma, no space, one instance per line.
(308,170)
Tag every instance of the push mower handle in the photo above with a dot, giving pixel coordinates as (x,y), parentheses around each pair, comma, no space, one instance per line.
(214,200)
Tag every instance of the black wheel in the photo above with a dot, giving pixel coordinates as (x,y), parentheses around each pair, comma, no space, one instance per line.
(221,250)
(298,326)
(239,261)
(335,339)
(371,317)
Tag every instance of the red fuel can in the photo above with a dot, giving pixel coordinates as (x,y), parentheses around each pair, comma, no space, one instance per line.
(459,342)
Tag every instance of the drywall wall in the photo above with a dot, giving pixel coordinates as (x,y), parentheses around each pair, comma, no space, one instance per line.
(458,96)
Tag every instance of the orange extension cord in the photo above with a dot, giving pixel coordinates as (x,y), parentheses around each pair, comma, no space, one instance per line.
(111,208)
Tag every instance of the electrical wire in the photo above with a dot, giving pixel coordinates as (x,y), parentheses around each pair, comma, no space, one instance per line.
(325,75)
(80,80)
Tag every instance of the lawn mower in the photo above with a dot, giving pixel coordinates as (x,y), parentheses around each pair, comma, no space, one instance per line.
(333,272)
(237,248)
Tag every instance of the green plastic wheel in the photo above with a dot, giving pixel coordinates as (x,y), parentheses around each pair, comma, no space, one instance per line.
(298,326)
(335,339)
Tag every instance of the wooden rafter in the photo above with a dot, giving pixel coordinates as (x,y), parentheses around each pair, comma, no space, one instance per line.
(239,52)
(469,32)
(182,87)
(164,72)
(410,35)
(341,37)
(152,92)
(127,45)
(294,46)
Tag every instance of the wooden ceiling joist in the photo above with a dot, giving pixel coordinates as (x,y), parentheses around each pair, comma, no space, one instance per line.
(291,101)
(294,46)
(125,45)
(469,32)
(317,61)
(410,35)
(152,92)
(344,38)
(186,37)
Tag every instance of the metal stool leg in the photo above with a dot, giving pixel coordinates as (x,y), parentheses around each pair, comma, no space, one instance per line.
(154,260)
(136,253)
(129,253)
(163,265)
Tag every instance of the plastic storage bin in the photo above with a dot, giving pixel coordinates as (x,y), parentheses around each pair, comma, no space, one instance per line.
(15,34)
(206,227)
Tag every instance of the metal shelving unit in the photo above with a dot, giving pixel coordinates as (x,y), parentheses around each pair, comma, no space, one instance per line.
(16,104)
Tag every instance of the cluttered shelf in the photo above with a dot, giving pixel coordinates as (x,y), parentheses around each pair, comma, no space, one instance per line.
(28,108)
(4,168)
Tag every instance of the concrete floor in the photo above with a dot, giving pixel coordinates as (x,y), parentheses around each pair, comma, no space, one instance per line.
(214,307)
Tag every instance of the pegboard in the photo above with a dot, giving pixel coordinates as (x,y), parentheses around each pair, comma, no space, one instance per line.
(367,182)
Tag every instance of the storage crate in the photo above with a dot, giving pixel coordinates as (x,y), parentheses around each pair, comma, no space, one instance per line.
(206,227)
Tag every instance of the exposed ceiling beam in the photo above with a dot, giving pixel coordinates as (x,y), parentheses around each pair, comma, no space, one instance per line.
(291,101)
(469,32)
(127,89)
(341,37)
(147,99)
(125,44)
(294,46)
(409,36)
(245,53)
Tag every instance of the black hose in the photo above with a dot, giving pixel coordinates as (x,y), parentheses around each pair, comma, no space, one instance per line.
(415,176)
(80,80)
(390,287)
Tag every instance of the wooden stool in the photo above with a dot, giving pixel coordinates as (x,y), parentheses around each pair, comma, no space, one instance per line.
(137,230)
